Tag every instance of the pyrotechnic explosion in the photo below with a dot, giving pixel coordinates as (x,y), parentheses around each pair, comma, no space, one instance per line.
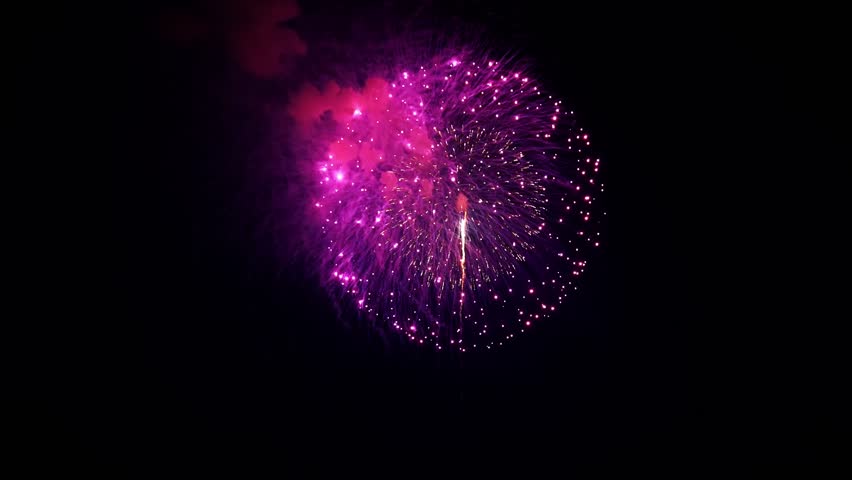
(452,201)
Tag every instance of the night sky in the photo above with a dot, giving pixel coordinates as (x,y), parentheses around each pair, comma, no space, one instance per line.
(689,347)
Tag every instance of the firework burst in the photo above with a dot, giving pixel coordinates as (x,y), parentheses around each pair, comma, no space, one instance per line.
(453,201)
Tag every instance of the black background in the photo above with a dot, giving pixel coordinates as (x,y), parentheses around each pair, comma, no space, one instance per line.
(693,343)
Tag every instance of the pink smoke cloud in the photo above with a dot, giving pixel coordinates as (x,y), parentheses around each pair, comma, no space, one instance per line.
(251,31)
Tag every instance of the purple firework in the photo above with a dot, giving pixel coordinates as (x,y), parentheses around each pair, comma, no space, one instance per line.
(455,202)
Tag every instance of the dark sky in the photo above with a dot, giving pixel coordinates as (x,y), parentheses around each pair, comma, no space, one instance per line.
(690,342)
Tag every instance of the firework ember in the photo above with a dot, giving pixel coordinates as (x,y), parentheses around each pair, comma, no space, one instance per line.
(453,201)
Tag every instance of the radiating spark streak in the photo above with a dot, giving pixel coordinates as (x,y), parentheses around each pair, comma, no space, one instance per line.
(463,230)
(463,234)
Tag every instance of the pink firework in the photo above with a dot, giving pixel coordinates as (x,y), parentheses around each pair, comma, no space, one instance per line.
(454,202)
